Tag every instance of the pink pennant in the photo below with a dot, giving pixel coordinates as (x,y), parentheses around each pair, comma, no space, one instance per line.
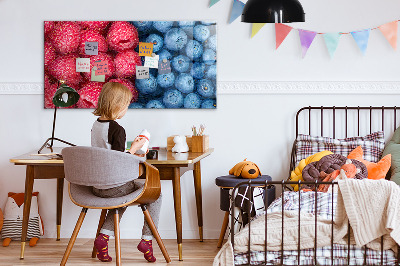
(306,39)
(389,30)
(281,31)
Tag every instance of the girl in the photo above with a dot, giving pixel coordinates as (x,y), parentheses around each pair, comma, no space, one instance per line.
(106,133)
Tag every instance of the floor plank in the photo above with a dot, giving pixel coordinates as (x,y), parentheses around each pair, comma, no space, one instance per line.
(49,252)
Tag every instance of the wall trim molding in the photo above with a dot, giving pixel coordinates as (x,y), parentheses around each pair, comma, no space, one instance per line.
(259,87)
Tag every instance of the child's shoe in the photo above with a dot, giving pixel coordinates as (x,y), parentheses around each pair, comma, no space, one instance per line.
(101,245)
(146,247)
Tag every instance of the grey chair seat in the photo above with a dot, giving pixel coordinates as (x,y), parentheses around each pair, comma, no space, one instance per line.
(83,196)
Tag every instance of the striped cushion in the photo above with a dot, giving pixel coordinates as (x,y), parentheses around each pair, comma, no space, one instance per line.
(13,228)
(372,145)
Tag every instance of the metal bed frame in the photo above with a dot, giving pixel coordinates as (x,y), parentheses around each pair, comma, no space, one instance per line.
(284,184)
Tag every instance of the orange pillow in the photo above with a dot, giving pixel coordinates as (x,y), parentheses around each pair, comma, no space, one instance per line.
(375,170)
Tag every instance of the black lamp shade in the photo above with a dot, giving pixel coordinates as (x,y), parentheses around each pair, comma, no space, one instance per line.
(65,96)
(273,11)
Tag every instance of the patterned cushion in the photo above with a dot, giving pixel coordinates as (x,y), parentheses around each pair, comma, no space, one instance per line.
(372,144)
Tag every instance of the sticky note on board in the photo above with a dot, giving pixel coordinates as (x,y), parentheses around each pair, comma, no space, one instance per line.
(164,67)
(83,65)
(99,78)
(145,48)
(91,48)
(102,67)
(142,72)
(151,61)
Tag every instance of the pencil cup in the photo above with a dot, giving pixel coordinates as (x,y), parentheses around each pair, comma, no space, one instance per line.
(200,143)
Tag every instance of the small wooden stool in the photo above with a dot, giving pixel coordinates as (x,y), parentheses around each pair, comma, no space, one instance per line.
(228,182)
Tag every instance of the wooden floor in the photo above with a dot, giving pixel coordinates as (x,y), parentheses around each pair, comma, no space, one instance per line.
(50,252)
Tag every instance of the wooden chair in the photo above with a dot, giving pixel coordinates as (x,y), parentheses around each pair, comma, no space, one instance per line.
(85,167)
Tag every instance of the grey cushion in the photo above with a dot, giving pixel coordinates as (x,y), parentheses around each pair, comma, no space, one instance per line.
(393,148)
(83,196)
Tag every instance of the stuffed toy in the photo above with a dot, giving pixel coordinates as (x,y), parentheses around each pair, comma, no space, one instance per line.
(180,144)
(296,174)
(13,215)
(245,169)
(375,170)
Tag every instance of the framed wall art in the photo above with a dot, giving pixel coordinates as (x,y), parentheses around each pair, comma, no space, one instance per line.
(166,64)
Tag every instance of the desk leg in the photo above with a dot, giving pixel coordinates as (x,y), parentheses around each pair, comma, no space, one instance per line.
(176,182)
(27,206)
(199,204)
(60,190)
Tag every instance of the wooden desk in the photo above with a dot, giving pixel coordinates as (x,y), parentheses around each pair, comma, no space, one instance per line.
(168,164)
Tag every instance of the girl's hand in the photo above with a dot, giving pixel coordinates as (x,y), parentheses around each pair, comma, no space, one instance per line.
(143,155)
(137,144)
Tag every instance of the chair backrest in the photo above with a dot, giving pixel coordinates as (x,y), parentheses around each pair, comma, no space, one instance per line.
(92,166)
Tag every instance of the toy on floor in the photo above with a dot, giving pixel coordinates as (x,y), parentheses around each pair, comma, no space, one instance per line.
(245,169)
(13,215)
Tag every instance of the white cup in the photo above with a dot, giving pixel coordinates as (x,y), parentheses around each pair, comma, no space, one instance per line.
(144,134)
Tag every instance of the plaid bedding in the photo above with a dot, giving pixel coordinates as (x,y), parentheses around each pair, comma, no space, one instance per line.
(322,207)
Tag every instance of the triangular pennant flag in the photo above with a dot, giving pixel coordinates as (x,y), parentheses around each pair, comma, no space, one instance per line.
(281,31)
(237,8)
(332,41)
(256,27)
(390,32)
(361,37)
(306,39)
(213,2)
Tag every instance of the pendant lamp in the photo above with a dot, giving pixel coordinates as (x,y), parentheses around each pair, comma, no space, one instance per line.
(65,96)
(273,11)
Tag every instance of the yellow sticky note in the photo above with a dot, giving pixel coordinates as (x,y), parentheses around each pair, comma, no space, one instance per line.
(145,48)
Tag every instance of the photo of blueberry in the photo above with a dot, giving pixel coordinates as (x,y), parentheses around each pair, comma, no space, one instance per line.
(135,106)
(201,33)
(211,72)
(155,104)
(198,70)
(146,86)
(211,43)
(166,80)
(208,23)
(163,26)
(186,23)
(209,56)
(205,88)
(175,39)
(181,63)
(192,100)
(184,83)
(164,54)
(157,42)
(143,27)
(194,49)
(173,99)
(208,104)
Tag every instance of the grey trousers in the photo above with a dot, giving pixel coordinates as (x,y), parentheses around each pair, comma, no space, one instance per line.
(153,208)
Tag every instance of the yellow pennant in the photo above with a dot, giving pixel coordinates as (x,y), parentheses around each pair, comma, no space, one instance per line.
(256,27)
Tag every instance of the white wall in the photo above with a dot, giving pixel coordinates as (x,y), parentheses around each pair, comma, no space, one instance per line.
(259,127)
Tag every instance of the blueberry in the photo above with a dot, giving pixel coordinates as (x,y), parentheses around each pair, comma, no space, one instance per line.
(186,23)
(173,99)
(181,63)
(209,57)
(146,86)
(175,39)
(212,42)
(135,106)
(205,88)
(143,27)
(208,23)
(208,104)
(198,70)
(157,41)
(211,72)
(155,104)
(164,54)
(192,100)
(166,80)
(194,49)
(184,83)
(163,26)
(201,33)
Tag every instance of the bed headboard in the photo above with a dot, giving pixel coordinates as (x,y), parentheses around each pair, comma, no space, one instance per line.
(345,121)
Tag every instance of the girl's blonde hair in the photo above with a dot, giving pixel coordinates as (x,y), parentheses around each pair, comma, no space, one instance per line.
(113,97)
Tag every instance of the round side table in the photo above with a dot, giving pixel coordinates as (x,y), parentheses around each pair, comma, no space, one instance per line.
(228,182)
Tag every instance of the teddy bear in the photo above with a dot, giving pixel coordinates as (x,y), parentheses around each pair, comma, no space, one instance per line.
(13,215)
(245,169)
(180,144)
